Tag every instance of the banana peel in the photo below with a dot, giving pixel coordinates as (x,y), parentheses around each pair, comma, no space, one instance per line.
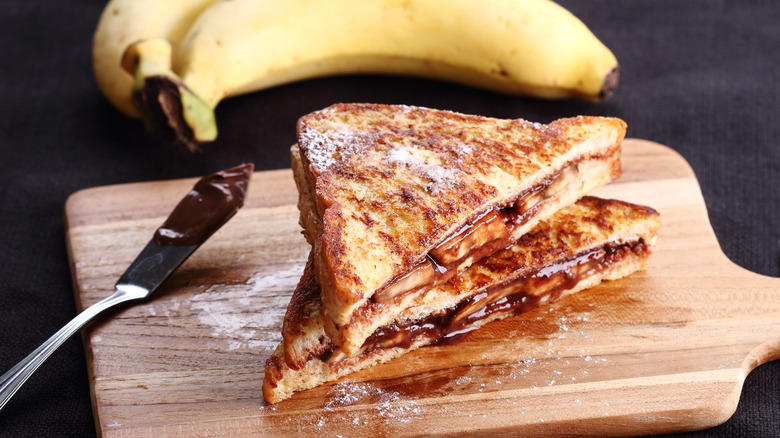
(521,47)
(168,107)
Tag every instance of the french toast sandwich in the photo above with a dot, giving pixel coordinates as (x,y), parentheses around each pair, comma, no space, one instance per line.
(574,249)
(396,200)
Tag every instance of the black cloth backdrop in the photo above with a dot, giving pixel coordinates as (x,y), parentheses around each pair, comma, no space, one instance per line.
(700,76)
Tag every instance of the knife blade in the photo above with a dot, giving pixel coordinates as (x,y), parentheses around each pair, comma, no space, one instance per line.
(210,204)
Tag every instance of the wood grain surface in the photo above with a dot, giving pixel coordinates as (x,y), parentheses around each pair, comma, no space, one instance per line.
(661,351)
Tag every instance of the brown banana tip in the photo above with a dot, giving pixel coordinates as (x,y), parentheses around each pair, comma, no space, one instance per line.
(610,83)
(159,102)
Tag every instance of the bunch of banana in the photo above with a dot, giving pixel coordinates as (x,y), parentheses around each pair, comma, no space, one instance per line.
(170,62)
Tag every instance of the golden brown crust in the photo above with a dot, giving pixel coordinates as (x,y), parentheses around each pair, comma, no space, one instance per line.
(302,329)
(298,363)
(389,182)
(309,219)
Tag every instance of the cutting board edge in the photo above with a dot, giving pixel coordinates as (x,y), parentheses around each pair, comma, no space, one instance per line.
(706,414)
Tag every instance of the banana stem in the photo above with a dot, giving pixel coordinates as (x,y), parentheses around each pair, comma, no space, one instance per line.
(169,108)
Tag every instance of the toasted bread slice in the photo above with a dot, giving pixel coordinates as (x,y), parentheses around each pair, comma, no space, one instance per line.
(397,199)
(577,248)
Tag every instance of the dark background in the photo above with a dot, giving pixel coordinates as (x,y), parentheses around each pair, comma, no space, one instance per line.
(698,76)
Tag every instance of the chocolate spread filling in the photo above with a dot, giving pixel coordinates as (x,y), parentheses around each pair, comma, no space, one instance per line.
(483,236)
(509,298)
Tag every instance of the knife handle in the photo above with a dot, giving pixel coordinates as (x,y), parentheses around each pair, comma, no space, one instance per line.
(14,378)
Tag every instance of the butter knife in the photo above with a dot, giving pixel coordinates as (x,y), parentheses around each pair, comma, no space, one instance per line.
(209,205)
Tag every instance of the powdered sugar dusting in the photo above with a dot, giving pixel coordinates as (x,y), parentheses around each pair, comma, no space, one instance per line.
(388,406)
(440,176)
(238,316)
(329,142)
(236,319)
(358,408)
(243,318)
(334,143)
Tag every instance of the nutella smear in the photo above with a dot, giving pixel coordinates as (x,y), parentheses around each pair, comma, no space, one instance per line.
(213,200)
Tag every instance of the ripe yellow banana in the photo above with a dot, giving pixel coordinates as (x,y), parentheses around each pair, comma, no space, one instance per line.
(524,47)
(125,22)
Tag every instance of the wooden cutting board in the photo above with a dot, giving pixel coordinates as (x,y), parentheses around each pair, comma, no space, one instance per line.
(661,351)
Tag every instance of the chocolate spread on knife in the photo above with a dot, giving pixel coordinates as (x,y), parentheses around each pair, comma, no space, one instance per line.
(214,199)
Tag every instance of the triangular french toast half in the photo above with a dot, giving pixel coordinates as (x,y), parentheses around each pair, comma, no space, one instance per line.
(398,199)
(577,248)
